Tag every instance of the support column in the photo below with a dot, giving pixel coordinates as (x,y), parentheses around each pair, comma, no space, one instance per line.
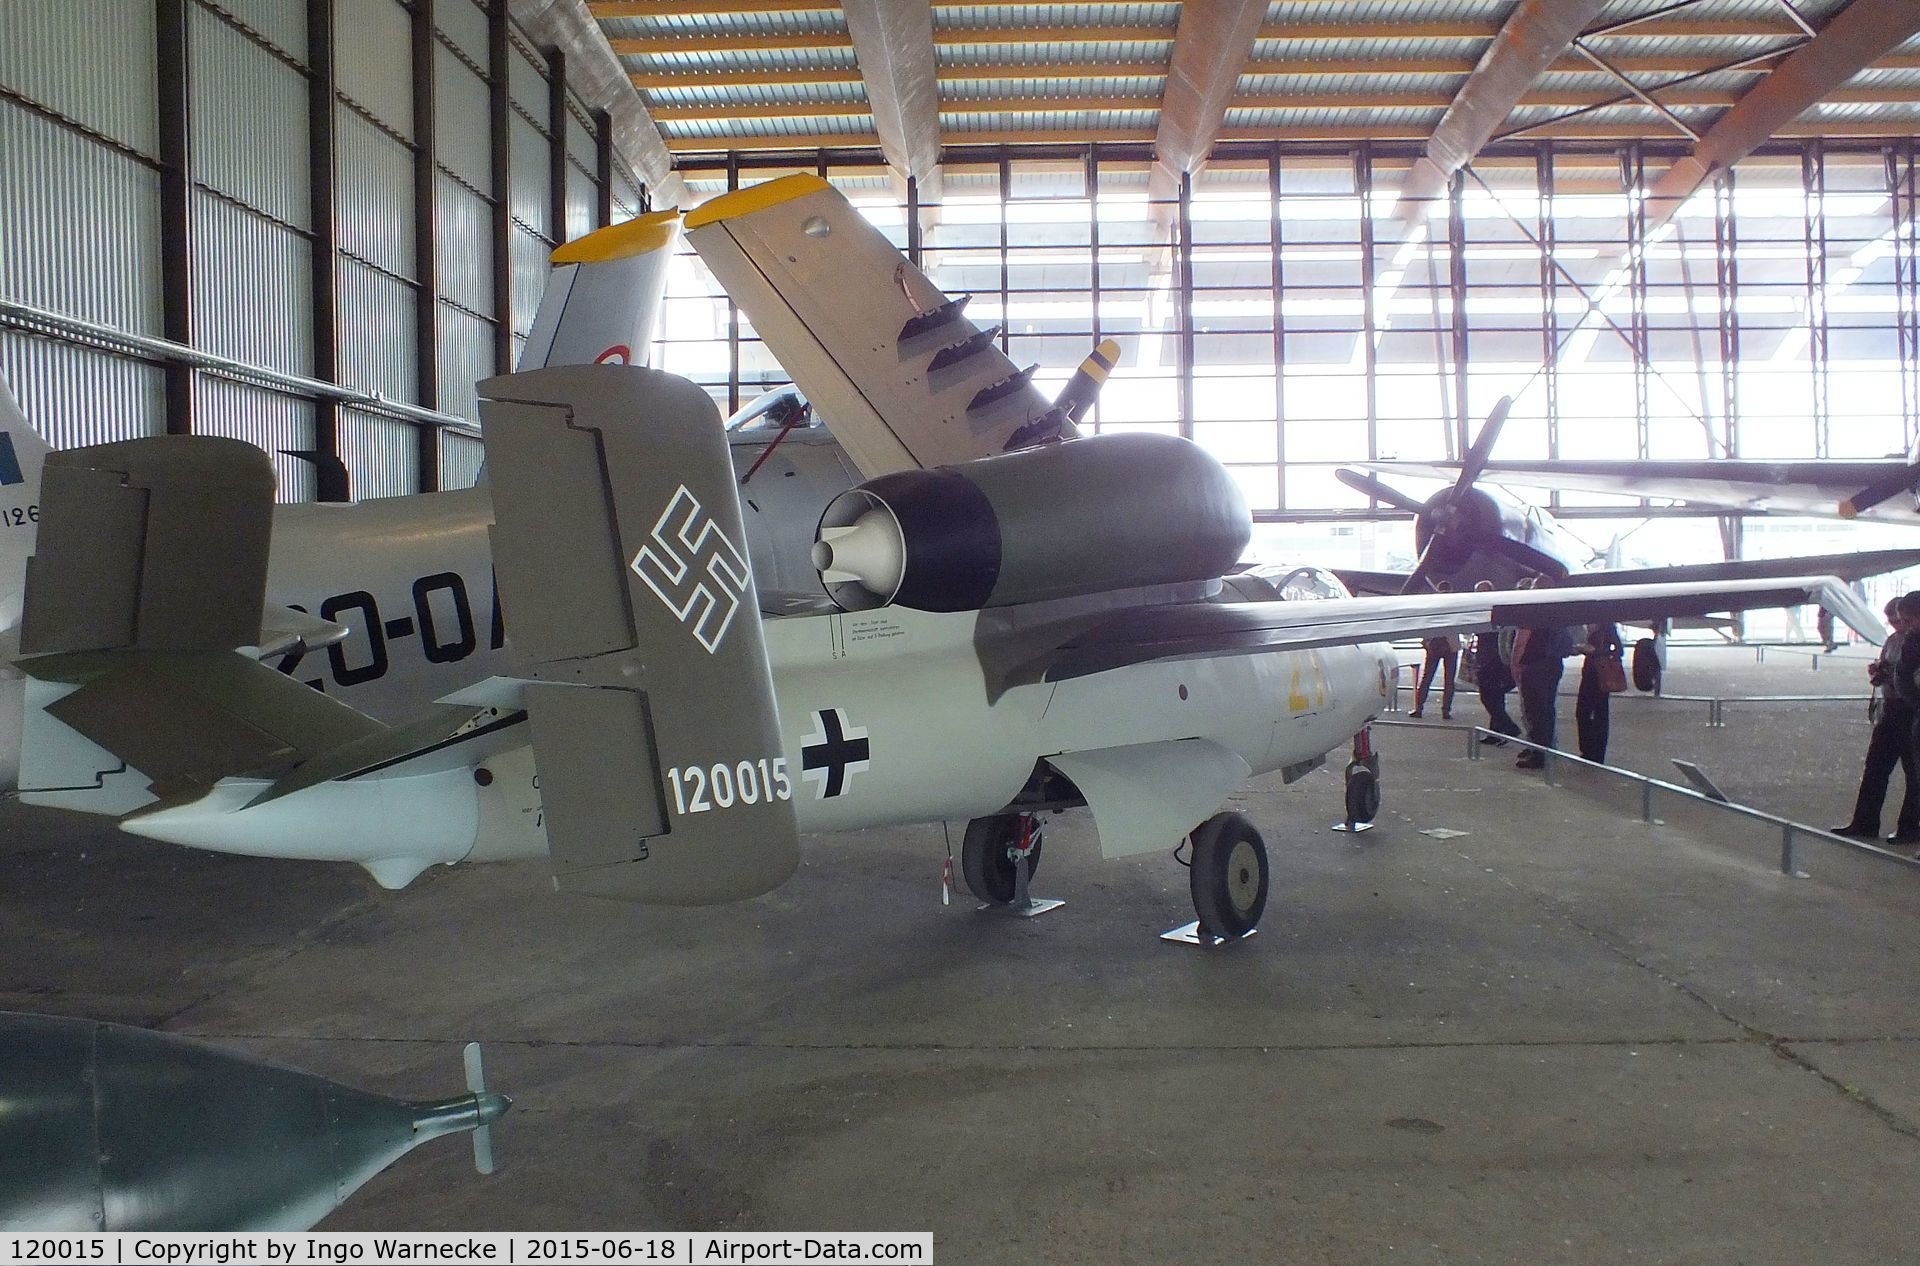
(1457,295)
(1813,184)
(426,263)
(557,146)
(324,219)
(1369,317)
(499,116)
(176,212)
(1183,279)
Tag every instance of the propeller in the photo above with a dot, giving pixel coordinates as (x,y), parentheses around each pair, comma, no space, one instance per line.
(1474,464)
(1372,486)
(1081,390)
(488,1106)
(1880,490)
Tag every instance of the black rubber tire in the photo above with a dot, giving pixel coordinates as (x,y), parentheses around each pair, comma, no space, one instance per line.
(1229,875)
(1363,794)
(1646,665)
(984,862)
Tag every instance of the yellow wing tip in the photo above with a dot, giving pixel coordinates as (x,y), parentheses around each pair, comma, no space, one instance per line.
(755,198)
(641,235)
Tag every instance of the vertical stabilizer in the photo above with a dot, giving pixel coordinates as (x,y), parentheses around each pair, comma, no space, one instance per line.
(22,454)
(603,296)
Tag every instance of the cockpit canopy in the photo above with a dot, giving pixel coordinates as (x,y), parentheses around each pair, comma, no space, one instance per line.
(1279,582)
(783,408)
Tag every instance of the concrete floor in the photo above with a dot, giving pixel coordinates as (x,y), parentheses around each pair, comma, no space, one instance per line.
(1553,1035)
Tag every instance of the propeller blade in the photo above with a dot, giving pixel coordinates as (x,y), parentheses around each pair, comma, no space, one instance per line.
(1360,481)
(1417,581)
(1482,450)
(1084,387)
(482,1134)
(1874,493)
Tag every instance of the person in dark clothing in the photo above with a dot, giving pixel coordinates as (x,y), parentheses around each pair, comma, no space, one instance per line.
(1592,707)
(1539,657)
(1892,742)
(1443,656)
(1492,679)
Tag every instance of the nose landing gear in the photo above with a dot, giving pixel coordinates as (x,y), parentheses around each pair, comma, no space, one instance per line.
(1363,786)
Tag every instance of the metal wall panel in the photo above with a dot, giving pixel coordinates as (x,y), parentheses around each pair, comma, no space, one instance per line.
(79,224)
(81,395)
(464,23)
(460,117)
(90,60)
(373,184)
(465,357)
(531,263)
(373,60)
(253,287)
(532,177)
(262,417)
(376,331)
(461,457)
(463,245)
(249,115)
(380,453)
(581,146)
(583,203)
(279,22)
(526,80)
(626,195)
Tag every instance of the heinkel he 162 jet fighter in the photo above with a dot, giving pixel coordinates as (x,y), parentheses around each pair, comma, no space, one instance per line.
(1005,635)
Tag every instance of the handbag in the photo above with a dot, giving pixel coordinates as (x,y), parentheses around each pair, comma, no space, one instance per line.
(1613,675)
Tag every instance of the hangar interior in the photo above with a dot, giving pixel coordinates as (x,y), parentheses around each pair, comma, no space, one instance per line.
(1526,1026)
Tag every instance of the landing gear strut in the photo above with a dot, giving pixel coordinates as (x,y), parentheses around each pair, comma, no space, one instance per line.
(1228,876)
(1363,785)
(998,855)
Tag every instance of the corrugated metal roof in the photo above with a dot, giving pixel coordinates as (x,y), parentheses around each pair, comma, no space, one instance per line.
(771,98)
(1049,121)
(712,25)
(1146,87)
(1018,17)
(1390,65)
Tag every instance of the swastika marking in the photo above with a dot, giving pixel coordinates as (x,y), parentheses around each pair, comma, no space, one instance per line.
(693,569)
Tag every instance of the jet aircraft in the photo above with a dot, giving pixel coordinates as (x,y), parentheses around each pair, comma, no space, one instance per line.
(1035,622)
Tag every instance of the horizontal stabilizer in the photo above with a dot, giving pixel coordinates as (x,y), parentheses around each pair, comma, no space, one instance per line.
(157,544)
(624,582)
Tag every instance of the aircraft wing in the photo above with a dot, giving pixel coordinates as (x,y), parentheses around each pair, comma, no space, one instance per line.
(1809,487)
(900,375)
(1853,565)
(1203,630)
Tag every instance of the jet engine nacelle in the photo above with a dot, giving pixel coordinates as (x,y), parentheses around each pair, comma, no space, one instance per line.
(1085,516)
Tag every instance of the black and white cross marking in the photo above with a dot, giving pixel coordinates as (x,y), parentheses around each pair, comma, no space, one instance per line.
(833,751)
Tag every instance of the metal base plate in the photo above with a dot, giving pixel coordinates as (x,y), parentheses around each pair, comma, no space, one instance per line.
(1034,908)
(1190,934)
(1355,829)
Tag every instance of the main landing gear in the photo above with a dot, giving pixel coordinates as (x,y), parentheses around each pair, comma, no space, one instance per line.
(998,855)
(1228,876)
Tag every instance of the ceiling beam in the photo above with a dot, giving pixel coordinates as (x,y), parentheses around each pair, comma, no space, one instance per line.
(701,8)
(1535,33)
(1211,48)
(1851,40)
(893,44)
(1661,26)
